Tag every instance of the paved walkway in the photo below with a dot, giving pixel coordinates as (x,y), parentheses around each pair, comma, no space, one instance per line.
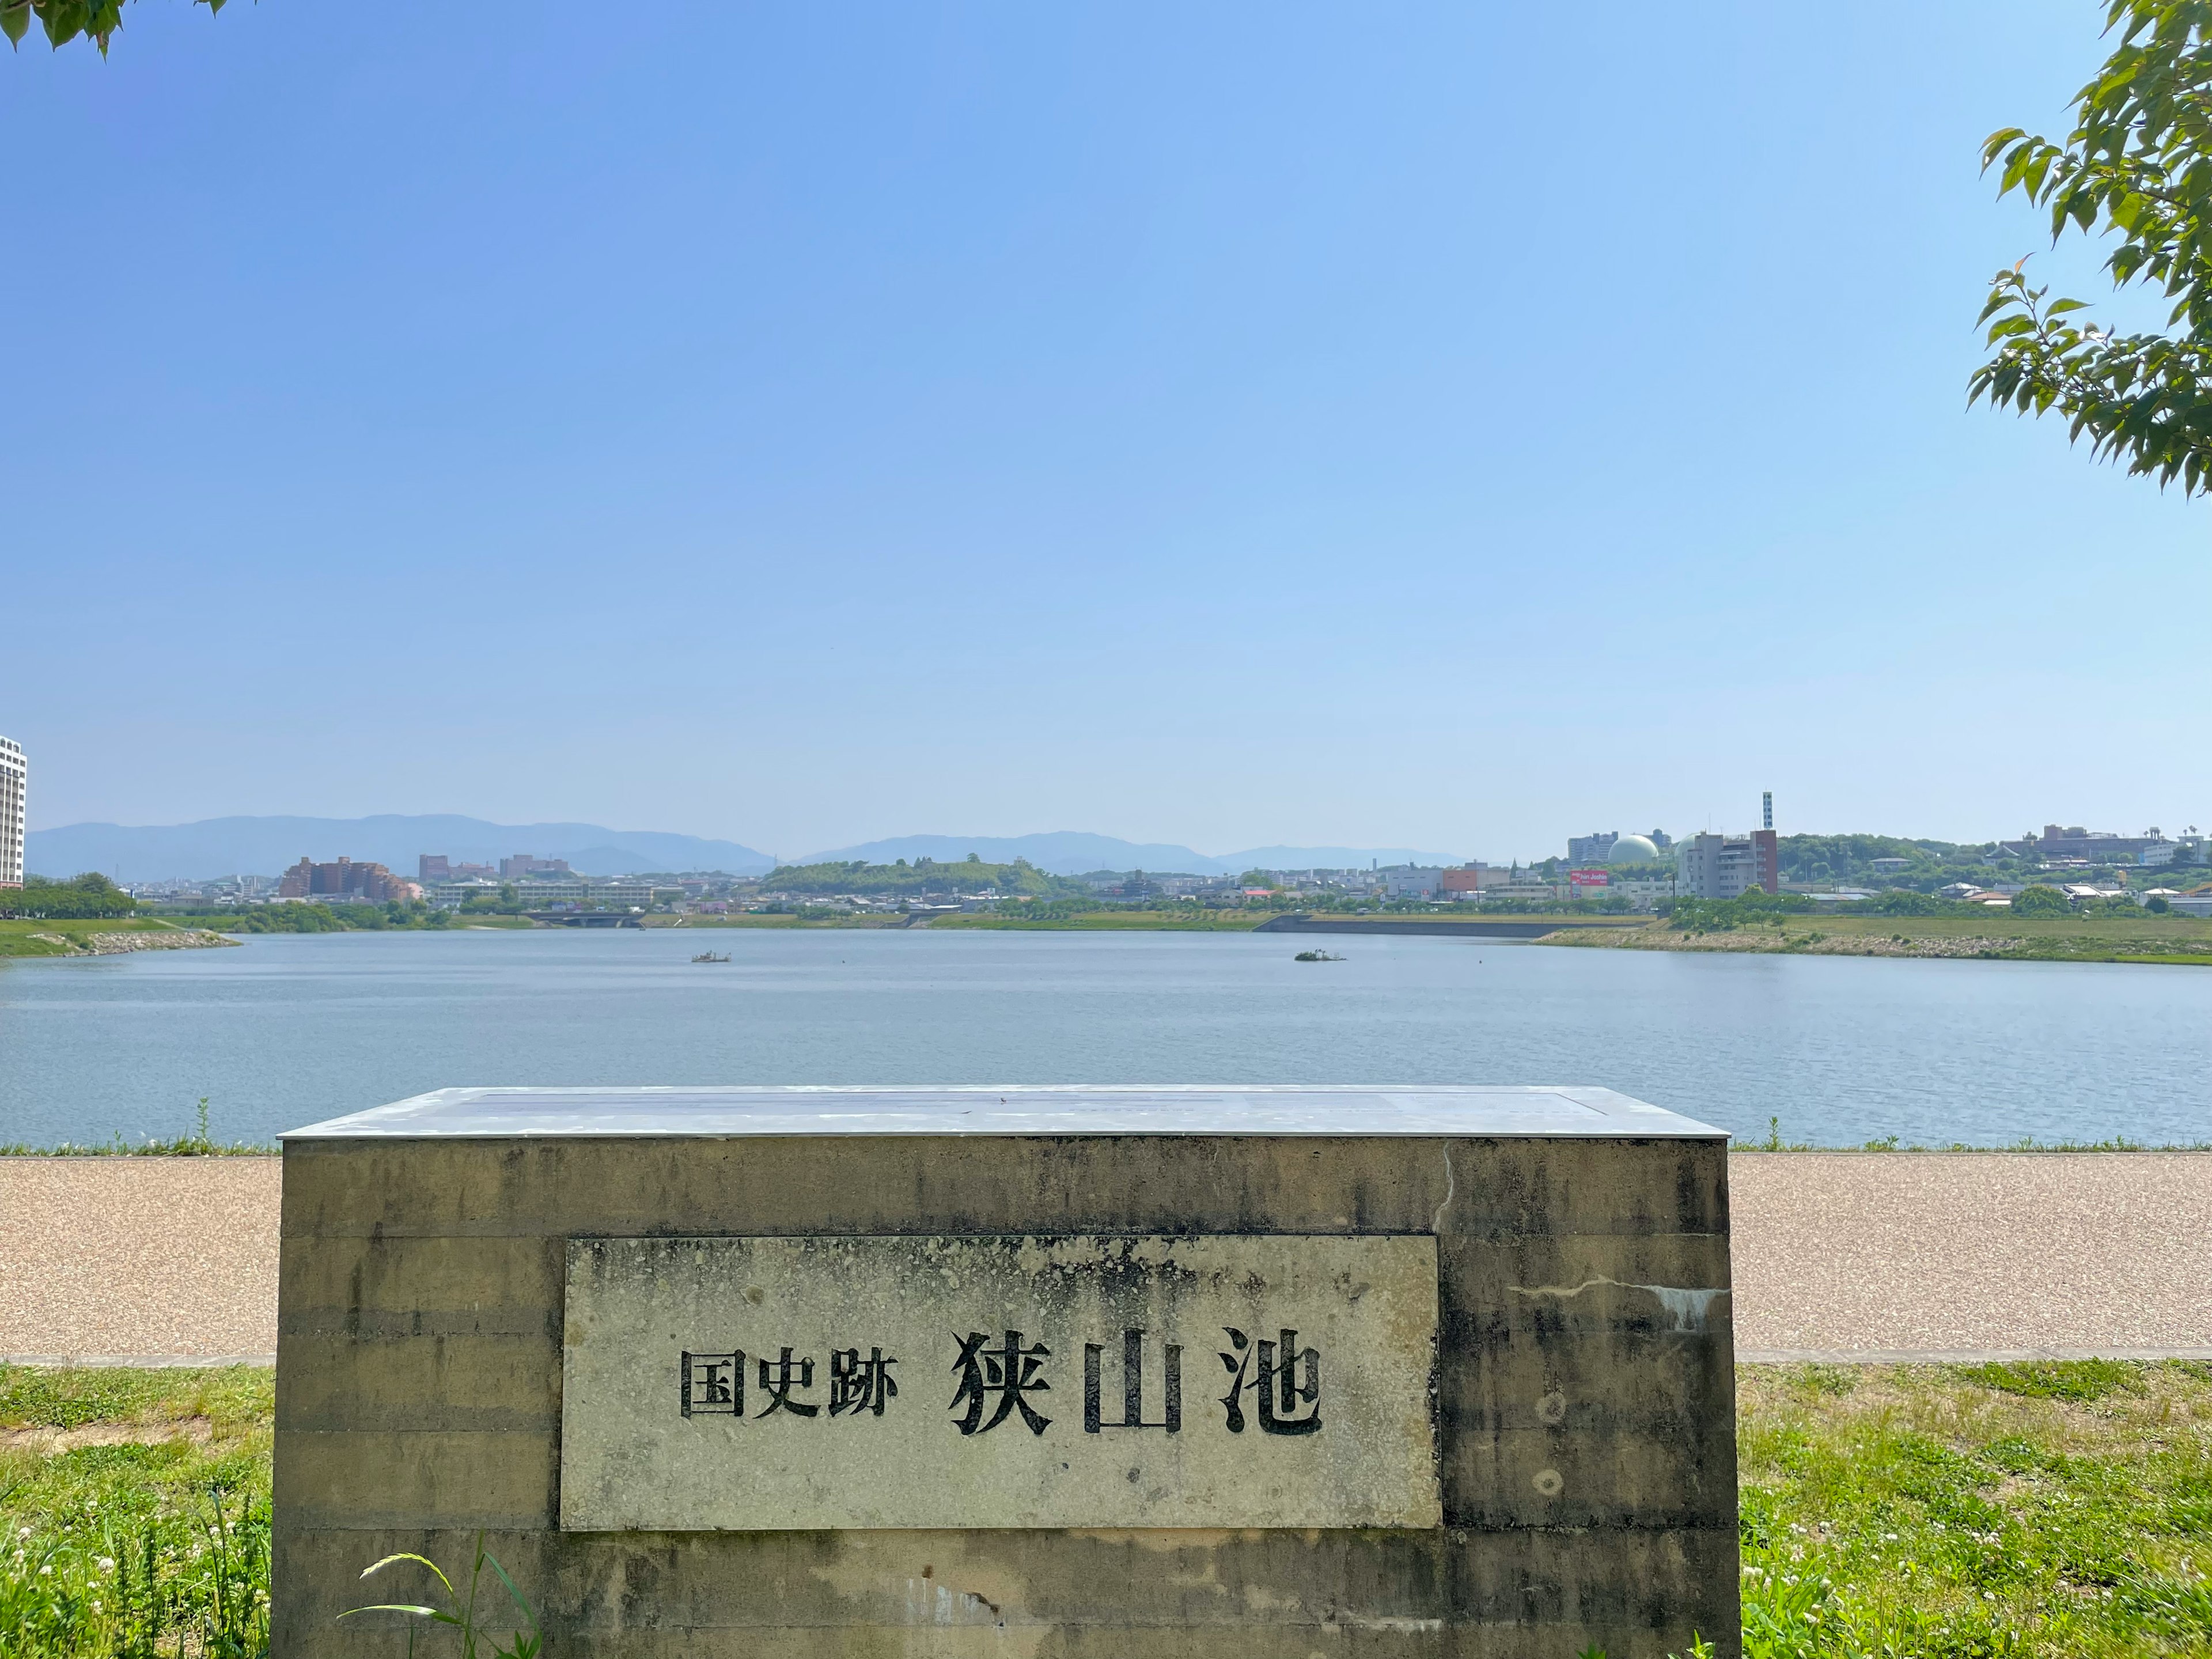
(1931,1256)
(1838,1255)
(139,1259)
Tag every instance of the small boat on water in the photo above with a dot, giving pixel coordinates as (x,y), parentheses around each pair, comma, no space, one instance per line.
(1315,956)
(709,955)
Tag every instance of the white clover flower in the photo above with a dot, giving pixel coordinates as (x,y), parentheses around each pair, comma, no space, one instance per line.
(96,1606)
(47,1571)
(23,1532)
(107,1564)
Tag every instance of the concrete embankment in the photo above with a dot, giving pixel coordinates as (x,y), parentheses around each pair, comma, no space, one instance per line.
(1837,1256)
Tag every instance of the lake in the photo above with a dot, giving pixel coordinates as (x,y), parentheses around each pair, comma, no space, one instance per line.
(290,1028)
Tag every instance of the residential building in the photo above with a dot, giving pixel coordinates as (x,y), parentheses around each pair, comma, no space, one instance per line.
(1468,882)
(15,790)
(347,882)
(522,864)
(544,894)
(1411,880)
(1593,849)
(1710,867)
(434,866)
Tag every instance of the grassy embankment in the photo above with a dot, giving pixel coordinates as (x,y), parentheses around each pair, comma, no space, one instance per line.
(2048,1511)
(2142,939)
(22,937)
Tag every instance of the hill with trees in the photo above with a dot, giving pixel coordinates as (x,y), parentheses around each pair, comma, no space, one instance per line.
(923,878)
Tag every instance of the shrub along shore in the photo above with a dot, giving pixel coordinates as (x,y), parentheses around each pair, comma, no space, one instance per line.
(2058,1510)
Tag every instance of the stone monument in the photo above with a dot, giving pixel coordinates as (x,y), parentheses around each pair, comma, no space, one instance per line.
(1126,1372)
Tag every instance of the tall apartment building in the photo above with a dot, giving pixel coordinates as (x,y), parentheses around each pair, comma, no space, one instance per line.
(1593,849)
(370,883)
(14,785)
(1710,867)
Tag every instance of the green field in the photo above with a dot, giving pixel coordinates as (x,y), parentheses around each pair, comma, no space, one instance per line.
(2046,1512)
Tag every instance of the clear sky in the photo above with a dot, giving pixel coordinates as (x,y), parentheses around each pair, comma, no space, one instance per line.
(1451,426)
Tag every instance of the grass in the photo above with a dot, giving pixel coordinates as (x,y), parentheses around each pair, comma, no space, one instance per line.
(134,1506)
(1775,1143)
(2058,1510)
(199,1144)
(23,937)
(2020,1511)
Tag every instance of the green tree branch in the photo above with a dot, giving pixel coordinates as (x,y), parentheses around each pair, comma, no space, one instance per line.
(2138,165)
(65,20)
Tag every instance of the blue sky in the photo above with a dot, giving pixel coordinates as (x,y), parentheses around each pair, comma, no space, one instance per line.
(1446,425)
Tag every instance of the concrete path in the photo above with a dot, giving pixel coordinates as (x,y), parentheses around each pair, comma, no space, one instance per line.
(1838,1256)
(139,1260)
(1912,1255)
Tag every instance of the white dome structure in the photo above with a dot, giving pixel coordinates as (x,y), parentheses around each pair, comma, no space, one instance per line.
(1633,849)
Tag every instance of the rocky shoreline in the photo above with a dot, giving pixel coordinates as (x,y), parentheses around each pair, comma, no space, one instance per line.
(121,944)
(1769,943)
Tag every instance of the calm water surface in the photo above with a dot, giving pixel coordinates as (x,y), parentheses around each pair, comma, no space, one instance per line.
(287,1030)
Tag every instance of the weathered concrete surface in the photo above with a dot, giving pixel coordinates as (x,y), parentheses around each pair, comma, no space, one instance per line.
(1585,1413)
(842,1383)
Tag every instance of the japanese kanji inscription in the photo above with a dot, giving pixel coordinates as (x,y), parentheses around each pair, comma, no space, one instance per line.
(822,1382)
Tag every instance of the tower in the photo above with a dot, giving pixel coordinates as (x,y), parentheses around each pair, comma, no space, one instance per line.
(14,778)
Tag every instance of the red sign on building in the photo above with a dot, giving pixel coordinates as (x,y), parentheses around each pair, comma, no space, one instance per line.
(1589,878)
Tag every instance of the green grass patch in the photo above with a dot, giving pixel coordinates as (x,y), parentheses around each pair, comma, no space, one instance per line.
(134,1506)
(1962,1512)
(231,1399)
(21,936)
(199,1144)
(2078,1380)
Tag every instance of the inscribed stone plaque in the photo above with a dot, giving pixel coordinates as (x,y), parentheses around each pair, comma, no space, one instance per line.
(830,1382)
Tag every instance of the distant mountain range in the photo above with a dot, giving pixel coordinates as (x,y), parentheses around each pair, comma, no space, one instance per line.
(262,846)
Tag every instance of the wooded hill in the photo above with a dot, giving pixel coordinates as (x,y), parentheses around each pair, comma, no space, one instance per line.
(922,877)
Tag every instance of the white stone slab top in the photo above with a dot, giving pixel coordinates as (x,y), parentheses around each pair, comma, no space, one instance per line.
(1475,1110)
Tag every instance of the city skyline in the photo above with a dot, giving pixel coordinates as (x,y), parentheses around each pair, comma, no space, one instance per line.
(263,847)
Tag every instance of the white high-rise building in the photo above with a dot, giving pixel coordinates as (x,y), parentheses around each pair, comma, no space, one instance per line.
(14,778)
